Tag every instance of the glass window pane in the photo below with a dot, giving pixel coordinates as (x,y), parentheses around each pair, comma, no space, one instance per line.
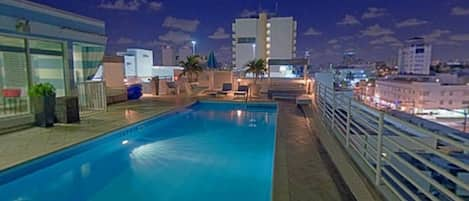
(11,42)
(86,59)
(13,77)
(47,64)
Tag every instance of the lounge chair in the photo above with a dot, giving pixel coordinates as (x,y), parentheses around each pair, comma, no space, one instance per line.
(172,87)
(243,91)
(226,88)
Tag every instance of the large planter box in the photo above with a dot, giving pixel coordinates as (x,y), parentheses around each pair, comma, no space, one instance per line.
(67,109)
(44,110)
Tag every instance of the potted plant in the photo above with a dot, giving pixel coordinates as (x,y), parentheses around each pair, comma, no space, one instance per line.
(43,103)
(257,68)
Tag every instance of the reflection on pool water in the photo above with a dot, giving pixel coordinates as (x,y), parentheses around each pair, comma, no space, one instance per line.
(209,151)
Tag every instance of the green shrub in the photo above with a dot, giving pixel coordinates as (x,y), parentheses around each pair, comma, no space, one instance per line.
(42,89)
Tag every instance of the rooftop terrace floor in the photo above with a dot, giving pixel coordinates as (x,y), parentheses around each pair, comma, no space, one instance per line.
(23,145)
(303,169)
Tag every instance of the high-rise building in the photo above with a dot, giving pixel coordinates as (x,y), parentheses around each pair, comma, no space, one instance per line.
(415,57)
(349,58)
(168,56)
(263,38)
(183,53)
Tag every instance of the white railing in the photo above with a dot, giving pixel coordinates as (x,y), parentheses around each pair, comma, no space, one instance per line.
(402,158)
(92,96)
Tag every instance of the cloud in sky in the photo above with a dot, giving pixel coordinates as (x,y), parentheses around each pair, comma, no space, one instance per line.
(155,5)
(459,11)
(349,20)
(219,34)
(386,40)
(374,13)
(435,35)
(333,41)
(129,5)
(125,41)
(181,24)
(376,30)
(248,13)
(312,32)
(460,37)
(176,37)
(411,22)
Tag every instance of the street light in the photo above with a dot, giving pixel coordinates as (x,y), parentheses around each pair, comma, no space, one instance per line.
(193,46)
(253,51)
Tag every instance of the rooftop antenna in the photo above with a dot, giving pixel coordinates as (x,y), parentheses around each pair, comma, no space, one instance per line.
(260,6)
(276,8)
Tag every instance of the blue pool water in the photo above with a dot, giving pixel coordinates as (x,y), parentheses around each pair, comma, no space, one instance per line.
(208,151)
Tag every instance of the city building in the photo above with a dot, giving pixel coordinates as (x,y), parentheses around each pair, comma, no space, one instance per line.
(415,57)
(41,44)
(168,56)
(348,77)
(265,38)
(183,53)
(137,62)
(423,94)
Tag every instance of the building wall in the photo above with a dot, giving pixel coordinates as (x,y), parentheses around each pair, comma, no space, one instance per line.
(41,44)
(282,38)
(273,38)
(245,35)
(423,95)
(183,53)
(168,57)
(415,58)
(113,72)
(143,61)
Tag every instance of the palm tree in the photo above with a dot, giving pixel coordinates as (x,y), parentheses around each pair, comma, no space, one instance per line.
(191,66)
(257,67)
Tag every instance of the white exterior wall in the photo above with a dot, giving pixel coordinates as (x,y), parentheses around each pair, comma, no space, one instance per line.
(425,95)
(279,41)
(411,62)
(282,38)
(143,61)
(243,52)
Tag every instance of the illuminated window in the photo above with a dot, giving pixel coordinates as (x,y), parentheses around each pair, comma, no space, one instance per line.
(13,77)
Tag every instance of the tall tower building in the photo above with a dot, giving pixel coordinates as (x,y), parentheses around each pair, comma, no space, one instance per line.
(415,57)
(183,53)
(263,37)
(168,56)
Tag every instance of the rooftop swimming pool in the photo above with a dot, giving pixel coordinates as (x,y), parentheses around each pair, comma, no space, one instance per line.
(207,151)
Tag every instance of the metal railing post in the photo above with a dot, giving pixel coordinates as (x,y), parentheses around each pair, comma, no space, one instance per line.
(379,146)
(334,106)
(349,116)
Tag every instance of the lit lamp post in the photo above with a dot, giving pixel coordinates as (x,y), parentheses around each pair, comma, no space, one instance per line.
(193,46)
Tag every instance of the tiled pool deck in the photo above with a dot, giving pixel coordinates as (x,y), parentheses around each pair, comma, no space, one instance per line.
(30,143)
(302,172)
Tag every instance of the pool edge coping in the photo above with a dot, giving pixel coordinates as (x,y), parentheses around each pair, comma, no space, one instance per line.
(99,135)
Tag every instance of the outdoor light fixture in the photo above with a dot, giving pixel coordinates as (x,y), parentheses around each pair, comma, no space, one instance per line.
(125,142)
(193,46)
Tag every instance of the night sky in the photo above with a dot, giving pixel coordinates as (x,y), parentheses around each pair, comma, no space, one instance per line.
(373,28)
